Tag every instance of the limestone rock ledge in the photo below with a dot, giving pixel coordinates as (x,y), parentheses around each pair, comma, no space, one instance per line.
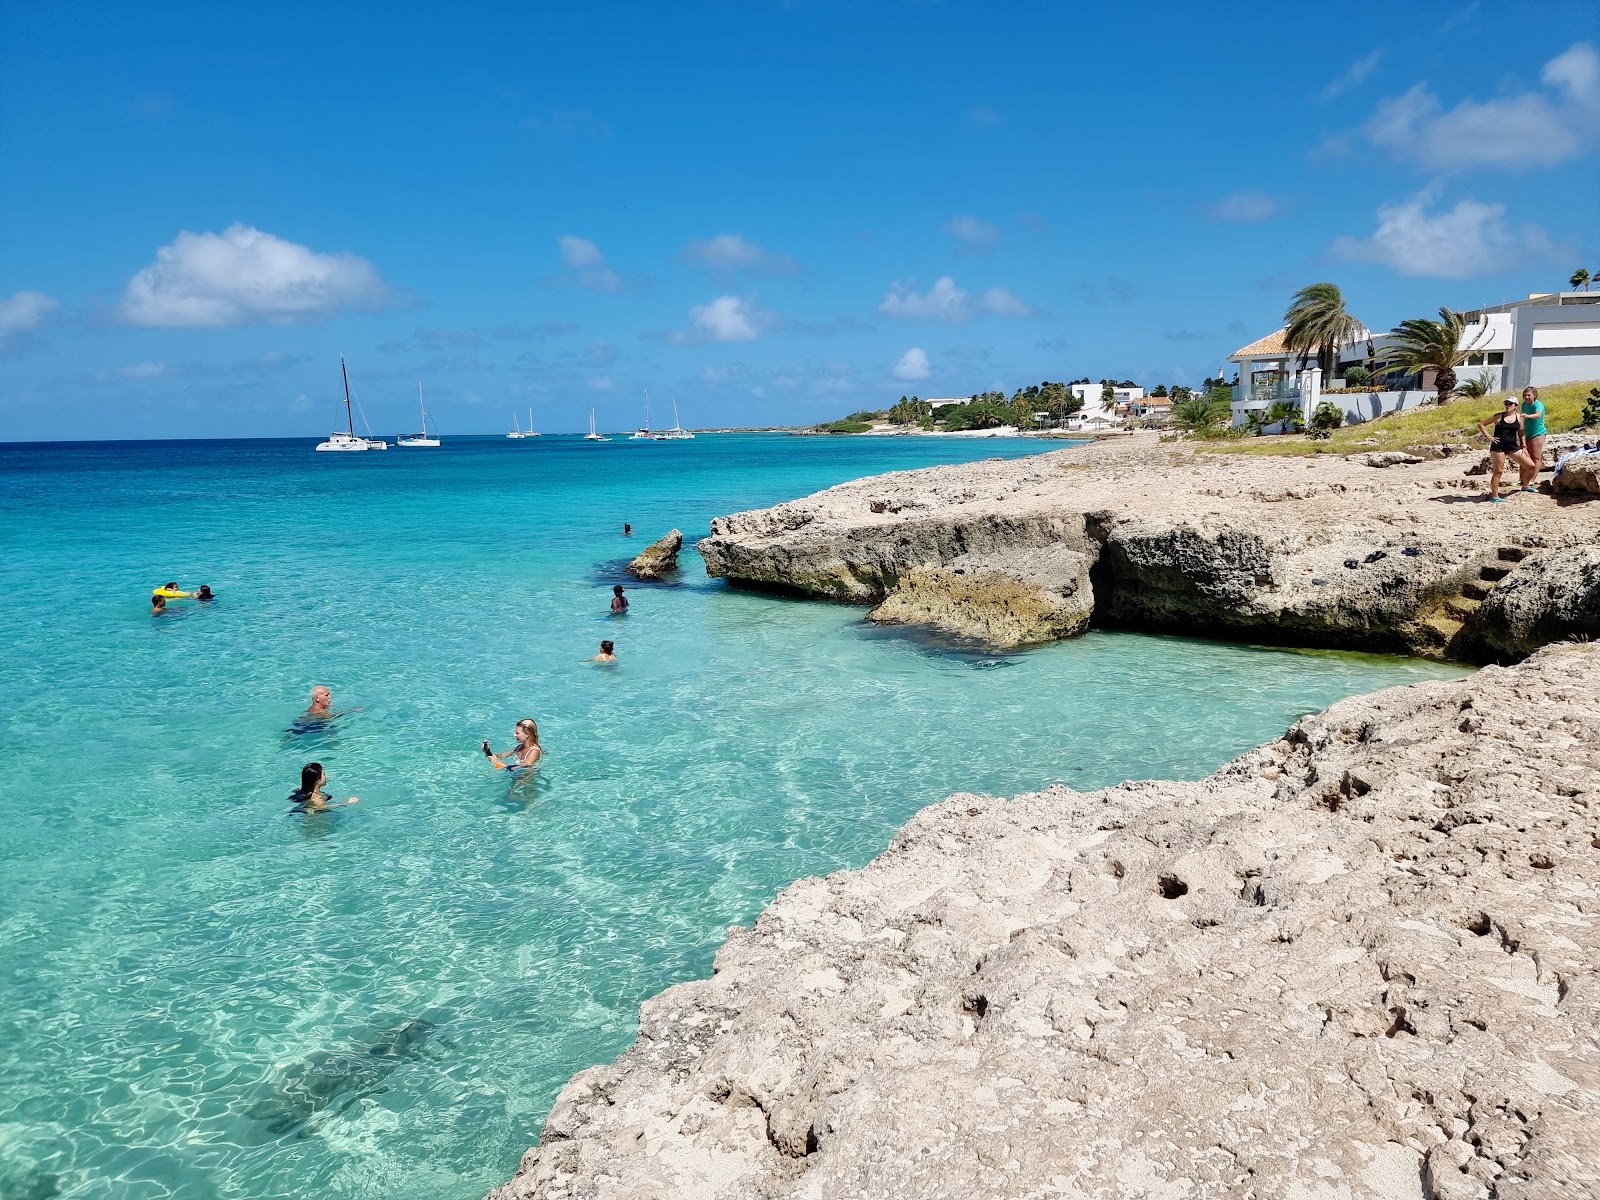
(1357,963)
(657,559)
(1318,552)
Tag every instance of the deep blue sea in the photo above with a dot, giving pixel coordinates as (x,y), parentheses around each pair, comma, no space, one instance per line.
(202,995)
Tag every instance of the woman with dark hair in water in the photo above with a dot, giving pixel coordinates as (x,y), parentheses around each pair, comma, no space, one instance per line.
(309,796)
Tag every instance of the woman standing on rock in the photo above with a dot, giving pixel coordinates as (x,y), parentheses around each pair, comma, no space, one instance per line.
(1533,430)
(1506,442)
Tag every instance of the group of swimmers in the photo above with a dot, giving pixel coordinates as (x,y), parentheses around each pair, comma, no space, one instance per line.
(312,797)
(171,591)
(1517,435)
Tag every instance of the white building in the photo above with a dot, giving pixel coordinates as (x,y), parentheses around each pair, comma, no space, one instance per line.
(1097,413)
(1542,340)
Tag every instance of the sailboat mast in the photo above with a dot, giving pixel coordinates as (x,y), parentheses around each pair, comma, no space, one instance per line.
(424,409)
(348,419)
(647,410)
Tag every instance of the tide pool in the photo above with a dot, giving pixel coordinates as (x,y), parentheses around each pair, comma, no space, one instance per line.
(204,996)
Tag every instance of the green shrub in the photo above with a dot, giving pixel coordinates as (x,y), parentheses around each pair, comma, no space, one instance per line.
(1327,417)
(1591,409)
(1357,377)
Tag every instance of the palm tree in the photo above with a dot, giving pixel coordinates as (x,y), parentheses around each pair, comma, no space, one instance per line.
(1200,415)
(1317,322)
(1423,345)
(1285,414)
(1580,279)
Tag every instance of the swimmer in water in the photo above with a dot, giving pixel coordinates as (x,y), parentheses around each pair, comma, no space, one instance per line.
(525,753)
(309,796)
(319,715)
(205,593)
(627,530)
(170,590)
(608,653)
(158,605)
(619,602)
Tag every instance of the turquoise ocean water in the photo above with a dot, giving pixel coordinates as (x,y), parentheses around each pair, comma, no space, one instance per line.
(203,996)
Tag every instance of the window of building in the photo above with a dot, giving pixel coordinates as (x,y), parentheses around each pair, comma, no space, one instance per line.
(1474,360)
(1497,358)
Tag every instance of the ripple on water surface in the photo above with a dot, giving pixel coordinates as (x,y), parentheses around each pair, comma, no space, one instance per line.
(207,997)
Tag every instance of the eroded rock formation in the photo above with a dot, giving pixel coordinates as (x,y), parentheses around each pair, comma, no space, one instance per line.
(659,558)
(1359,962)
(1320,552)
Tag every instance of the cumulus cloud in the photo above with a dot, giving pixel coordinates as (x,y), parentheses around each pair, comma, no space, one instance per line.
(944,301)
(1540,128)
(1353,76)
(242,275)
(589,265)
(980,235)
(1470,239)
(1246,207)
(725,319)
(728,252)
(913,364)
(23,312)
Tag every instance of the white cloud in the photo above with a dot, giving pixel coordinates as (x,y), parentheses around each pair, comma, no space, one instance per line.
(1353,76)
(1246,207)
(136,371)
(725,319)
(1470,239)
(23,312)
(1003,303)
(735,252)
(1529,129)
(584,257)
(944,301)
(601,383)
(975,233)
(242,275)
(913,364)
(300,404)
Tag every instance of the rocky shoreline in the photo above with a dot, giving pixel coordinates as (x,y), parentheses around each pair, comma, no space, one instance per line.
(1359,962)
(1359,553)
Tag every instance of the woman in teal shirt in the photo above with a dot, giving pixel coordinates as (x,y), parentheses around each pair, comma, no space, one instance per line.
(1533,430)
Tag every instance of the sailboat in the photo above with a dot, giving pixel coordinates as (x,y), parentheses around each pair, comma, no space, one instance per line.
(345,441)
(530,431)
(516,430)
(421,439)
(643,433)
(677,433)
(592,436)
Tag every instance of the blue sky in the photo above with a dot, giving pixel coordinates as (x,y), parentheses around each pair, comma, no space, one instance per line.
(776,213)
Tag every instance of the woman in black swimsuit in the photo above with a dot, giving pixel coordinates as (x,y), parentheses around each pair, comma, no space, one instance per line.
(309,796)
(1505,441)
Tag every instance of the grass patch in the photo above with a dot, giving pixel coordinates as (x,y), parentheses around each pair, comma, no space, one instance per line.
(1431,424)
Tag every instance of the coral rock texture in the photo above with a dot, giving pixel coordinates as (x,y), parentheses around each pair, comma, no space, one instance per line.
(659,558)
(1320,551)
(1358,963)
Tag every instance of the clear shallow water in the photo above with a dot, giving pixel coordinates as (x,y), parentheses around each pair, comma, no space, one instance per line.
(201,996)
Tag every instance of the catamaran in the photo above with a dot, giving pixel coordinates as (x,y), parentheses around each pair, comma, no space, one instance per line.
(530,431)
(592,436)
(345,441)
(643,433)
(421,439)
(677,433)
(516,430)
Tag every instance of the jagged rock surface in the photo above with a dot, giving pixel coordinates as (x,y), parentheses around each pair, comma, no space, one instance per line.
(1240,546)
(659,558)
(1557,595)
(1005,600)
(1358,963)
(1581,476)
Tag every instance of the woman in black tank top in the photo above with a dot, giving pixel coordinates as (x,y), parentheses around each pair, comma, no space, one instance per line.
(1505,442)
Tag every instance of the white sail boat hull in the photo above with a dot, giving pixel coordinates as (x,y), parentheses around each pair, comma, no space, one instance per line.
(421,439)
(592,436)
(343,442)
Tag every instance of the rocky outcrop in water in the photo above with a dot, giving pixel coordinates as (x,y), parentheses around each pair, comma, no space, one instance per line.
(659,558)
(1318,552)
(1359,962)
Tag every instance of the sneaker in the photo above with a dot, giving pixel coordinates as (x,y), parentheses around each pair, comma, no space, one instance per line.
(1497,499)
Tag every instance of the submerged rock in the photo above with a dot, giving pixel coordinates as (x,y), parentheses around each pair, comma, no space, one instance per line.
(1358,962)
(659,558)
